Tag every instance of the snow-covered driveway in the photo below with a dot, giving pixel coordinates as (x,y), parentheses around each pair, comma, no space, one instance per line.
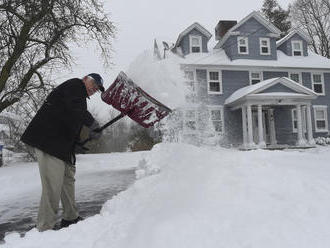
(99,177)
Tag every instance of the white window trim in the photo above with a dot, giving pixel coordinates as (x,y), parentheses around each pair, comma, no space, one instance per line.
(261,46)
(200,42)
(325,109)
(322,82)
(294,50)
(296,72)
(304,116)
(194,79)
(218,107)
(187,130)
(255,71)
(247,44)
(208,83)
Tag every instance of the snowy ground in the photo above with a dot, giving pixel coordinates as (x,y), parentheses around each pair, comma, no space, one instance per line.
(201,197)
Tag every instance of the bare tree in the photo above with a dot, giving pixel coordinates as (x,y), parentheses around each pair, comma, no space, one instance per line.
(35,37)
(313,16)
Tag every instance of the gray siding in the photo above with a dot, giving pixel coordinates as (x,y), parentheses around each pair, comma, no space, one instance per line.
(253,30)
(286,47)
(185,42)
(274,74)
(278,88)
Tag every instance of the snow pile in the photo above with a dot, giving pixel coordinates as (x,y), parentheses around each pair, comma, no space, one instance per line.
(162,79)
(210,198)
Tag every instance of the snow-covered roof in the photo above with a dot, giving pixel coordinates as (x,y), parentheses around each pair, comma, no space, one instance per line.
(191,27)
(291,33)
(218,57)
(259,87)
(262,20)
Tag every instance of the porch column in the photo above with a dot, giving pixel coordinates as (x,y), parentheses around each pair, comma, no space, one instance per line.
(250,130)
(261,143)
(310,138)
(300,141)
(245,141)
(273,140)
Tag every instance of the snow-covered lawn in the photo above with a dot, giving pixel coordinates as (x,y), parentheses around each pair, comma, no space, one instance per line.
(203,197)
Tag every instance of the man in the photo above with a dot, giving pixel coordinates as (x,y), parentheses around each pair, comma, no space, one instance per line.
(53,133)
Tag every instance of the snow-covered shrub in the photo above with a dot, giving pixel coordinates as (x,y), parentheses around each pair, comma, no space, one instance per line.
(322,141)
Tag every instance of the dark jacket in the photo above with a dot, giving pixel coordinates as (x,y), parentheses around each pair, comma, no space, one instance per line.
(58,122)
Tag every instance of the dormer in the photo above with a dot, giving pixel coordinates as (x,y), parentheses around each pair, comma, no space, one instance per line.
(295,43)
(253,37)
(193,39)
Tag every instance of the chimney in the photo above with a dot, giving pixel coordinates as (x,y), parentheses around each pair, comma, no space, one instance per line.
(222,28)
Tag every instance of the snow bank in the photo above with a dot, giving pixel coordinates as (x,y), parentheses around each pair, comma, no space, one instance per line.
(212,197)
(162,79)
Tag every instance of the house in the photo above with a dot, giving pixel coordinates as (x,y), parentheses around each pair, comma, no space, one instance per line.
(259,91)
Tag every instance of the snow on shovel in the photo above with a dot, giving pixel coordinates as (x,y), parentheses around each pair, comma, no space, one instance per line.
(128,98)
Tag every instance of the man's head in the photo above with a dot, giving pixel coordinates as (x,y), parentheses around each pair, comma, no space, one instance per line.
(93,83)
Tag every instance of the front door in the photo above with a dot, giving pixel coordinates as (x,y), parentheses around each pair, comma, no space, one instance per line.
(265,125)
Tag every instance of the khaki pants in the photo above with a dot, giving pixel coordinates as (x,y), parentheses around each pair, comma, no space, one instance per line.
(58,183)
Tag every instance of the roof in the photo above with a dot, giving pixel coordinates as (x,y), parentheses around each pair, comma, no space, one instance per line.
(218,57)
(191,27)
(263,21)
(292,33)
(261,86)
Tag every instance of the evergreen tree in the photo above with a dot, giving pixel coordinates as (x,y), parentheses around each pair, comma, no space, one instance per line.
(277,16)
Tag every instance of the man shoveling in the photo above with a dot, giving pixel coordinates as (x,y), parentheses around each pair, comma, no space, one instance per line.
(53,133)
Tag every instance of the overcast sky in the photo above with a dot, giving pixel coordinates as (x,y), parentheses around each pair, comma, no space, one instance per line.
(140,21)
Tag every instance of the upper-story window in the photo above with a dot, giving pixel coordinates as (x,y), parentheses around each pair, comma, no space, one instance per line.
(190,80)
(264,46)
(243,45)
(297,48)
(214,85)
(318,83)
(295,76)
(195,44)
(255,77)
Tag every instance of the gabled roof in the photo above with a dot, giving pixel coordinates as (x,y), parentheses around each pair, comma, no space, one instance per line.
(191,27)
(292,33)
(263,21)
(299,90)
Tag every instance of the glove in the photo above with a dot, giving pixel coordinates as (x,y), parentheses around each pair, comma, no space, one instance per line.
(93,134)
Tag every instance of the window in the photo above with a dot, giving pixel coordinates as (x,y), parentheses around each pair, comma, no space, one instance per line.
(214,83)
(264,46)
(216,116)
(321,118)
(243,46)
(297,48)
(195,44)
(295,120)
(295,76)
(255,77)
(190,123)
(190,80)
(318,83)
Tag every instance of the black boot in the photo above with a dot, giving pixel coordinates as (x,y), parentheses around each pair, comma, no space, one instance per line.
(66,223)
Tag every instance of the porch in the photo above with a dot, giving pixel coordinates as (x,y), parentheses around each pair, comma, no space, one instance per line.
(258,104)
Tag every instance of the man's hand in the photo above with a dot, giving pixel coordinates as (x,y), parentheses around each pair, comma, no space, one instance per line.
(94,133)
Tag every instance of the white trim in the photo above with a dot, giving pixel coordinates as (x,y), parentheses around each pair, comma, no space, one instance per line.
(219,80)
(193,81)
(246,39)
(325,109)
(296,50)
(296,72)
(262,46)
(218,107)
(199,41)
(322,82)
(261,76)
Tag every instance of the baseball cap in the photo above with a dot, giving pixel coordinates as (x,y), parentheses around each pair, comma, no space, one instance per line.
(98,80)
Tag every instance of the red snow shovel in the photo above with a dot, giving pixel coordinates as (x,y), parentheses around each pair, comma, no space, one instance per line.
(128,98)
